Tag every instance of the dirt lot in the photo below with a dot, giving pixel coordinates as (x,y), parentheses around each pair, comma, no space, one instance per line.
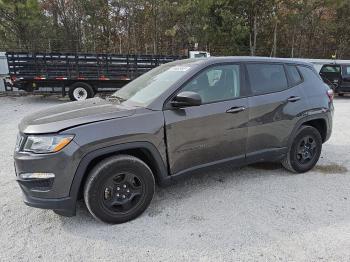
(257,213)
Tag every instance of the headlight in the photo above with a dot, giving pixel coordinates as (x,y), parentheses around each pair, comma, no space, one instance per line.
(46,143)
(18,142)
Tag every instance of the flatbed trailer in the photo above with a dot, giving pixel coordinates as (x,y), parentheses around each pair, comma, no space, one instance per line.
(82,74)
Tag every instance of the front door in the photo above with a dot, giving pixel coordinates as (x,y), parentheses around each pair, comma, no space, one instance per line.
(215,131)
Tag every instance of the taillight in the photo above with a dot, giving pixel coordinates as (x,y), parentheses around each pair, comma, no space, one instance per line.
(330,94)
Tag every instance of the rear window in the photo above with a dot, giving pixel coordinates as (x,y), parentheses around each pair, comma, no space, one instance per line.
(330,69)
(266,78)
(294,75)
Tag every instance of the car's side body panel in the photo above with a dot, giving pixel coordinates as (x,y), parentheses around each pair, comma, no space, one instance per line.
(314,91)
(271,119)
(204,134)
(144,126)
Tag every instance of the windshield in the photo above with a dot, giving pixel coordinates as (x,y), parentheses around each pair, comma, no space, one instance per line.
(146,88)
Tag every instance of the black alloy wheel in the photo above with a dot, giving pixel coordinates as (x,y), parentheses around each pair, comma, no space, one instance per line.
(304,151)
(122,192)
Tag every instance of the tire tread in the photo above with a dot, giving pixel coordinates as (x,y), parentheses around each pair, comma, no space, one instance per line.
(286,162)
(86,86)
(94,175)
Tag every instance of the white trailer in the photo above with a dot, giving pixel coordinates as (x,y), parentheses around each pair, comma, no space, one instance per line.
(4,71)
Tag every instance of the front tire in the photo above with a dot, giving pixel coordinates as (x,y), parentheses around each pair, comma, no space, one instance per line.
(119,189)
(304,151)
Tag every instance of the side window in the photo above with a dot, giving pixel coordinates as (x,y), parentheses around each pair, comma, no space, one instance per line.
(294,75)
(309,74)
(266,78)
(346,70)
(216,83)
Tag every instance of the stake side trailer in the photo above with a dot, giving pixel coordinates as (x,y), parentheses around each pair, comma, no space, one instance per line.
(82,74)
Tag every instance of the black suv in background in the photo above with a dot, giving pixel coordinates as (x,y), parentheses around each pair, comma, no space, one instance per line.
(337,76)
(177,118)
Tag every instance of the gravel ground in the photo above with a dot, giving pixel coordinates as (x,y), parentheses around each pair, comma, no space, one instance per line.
(257,213)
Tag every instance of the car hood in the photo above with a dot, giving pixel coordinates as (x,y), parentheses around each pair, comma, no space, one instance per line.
(58,118)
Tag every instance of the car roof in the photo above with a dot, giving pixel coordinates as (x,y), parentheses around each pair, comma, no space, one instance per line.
(213,60)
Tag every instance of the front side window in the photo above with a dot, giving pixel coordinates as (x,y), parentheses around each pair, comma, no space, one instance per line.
(216,83)
(266,78)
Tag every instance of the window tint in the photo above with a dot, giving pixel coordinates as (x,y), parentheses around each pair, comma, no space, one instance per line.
(294,75)
(266,78)
(330,69)
(309,74)
(346,70)
(217,83)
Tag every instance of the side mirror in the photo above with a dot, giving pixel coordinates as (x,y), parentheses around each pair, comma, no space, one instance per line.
(186,99)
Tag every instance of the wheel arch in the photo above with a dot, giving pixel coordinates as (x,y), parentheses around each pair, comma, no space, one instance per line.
(145,151)
(320,124)
(81,82)
(318,121)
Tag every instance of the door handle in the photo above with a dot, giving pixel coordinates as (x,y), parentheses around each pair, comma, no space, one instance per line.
(293,99)
(235,110)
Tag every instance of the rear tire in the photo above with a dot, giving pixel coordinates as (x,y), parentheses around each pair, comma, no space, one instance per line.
(119,189)
(80,91)
(304,151)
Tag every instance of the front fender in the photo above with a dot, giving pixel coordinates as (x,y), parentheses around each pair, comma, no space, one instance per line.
(162,174)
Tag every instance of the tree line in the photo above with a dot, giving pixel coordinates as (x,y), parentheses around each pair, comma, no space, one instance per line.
(284,28)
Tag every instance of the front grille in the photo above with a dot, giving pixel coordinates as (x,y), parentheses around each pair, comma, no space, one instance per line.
(47,183)
(37,184)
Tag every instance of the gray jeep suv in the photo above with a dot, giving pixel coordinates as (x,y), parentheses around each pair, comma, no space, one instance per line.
(177,118)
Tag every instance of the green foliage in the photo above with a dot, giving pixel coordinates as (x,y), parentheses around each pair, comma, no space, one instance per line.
(22,22)
(298,28)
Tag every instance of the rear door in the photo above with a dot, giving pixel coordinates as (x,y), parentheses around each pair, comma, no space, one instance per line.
(215,131)
(345,78)
(274,105)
